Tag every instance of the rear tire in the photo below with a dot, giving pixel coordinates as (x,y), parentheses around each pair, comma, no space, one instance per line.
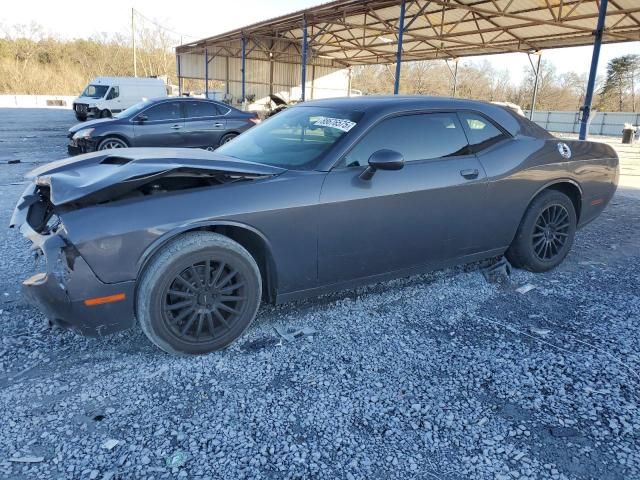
(227,138)
(545,234)
(198,294)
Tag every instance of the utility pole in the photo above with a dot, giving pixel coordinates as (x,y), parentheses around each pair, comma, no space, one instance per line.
(133,43)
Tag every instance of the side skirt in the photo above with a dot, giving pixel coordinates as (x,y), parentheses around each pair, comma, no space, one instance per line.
(406,272)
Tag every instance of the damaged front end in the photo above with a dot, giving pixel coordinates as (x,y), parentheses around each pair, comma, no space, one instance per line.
(68,291)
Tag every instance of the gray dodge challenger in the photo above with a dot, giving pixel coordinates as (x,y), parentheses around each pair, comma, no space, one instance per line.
(326,195)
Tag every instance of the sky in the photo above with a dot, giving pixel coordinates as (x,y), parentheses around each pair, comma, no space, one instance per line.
(80,19)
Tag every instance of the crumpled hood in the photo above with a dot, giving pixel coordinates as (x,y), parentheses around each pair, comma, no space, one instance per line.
(75,178)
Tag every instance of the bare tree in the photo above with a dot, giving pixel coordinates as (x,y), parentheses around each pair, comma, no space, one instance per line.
(32,62)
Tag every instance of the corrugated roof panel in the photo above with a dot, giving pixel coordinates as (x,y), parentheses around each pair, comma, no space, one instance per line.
(390,13)
(469,27)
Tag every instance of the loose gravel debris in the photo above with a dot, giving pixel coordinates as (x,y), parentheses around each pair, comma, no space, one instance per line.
(525,288)
(437,376)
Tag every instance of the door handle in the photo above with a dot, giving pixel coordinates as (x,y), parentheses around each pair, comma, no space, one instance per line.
(470,173)
(217,124)
(176,127)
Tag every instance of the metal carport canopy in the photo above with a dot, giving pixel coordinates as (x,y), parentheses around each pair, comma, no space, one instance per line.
(365,32)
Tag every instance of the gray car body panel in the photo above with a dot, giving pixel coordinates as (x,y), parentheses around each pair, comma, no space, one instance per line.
(327,228)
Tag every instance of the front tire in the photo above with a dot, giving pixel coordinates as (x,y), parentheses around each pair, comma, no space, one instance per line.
(545,234)
(105,113)
(198,294)
(112,142)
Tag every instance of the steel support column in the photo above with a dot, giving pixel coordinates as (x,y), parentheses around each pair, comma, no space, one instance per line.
(396,86)
(304,57)
(535,84)
(226,75)
(179,75)
(244,63)
(270,73)
(586,108)
(206,73)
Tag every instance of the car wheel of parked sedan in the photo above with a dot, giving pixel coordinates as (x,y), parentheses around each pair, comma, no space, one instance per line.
(198,294)
(545,234)
(112,142)
(227,138)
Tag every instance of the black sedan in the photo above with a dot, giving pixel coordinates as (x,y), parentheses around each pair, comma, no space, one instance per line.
(325,195)
(167,122)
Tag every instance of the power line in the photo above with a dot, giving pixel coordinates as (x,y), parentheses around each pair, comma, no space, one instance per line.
(138,13)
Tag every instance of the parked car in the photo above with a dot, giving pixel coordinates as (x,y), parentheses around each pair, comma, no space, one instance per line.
(276,105)
(167,122)
(326,195)
(106,96)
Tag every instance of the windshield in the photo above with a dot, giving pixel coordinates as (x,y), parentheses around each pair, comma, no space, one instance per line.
(295,138)
(95,91)
(134,109)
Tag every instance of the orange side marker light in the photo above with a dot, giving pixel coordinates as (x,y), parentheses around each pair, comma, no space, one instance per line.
(92,302)
(597,201)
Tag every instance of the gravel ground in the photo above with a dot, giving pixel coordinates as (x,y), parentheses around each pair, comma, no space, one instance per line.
(441,376)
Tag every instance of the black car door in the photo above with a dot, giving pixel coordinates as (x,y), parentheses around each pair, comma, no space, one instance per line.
(160,125)
(204,124)
(422,214)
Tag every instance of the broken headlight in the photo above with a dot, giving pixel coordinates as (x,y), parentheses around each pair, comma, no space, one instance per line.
(84,133)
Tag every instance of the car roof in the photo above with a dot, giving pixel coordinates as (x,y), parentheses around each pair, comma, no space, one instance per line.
(380,105)
(157,100)
(185,99)
(369,102)
(154,80)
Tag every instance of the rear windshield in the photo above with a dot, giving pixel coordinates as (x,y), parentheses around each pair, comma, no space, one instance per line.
(95,91)
(295,138)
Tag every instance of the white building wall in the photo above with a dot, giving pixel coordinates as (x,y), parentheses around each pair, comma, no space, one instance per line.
(602,123)
(285,81)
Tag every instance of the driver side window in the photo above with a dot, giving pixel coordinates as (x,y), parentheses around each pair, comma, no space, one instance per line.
(417,137)
(164,111)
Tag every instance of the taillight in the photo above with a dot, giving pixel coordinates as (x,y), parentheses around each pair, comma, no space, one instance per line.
(255,120)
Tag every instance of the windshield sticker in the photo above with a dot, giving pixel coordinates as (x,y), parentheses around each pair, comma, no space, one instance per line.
(339,123)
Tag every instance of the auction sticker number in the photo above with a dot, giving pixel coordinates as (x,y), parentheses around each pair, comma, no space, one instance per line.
(339,123)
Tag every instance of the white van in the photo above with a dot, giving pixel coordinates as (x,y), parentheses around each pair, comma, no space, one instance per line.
(105,96)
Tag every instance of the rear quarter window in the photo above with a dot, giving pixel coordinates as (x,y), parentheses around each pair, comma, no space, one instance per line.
(481,131)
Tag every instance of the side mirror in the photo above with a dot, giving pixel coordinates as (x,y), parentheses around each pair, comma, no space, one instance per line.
(141,118)
(383,160)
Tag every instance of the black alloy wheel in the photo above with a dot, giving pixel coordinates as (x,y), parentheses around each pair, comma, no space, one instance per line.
(550,232)
(204,300)
(198,293)
(545,234)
